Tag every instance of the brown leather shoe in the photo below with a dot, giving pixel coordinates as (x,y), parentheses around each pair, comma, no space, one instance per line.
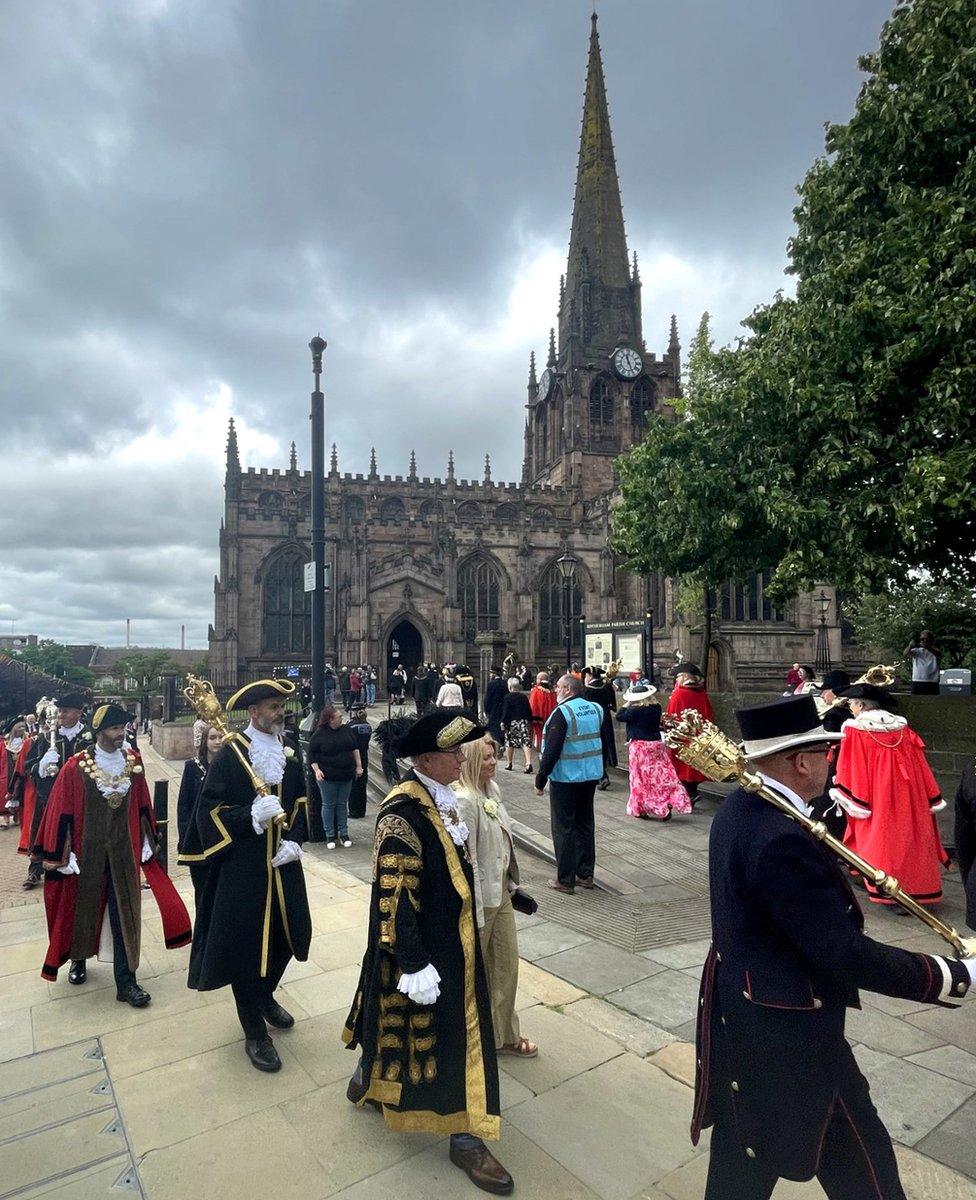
(484,1170)
(555,886)
(586,883)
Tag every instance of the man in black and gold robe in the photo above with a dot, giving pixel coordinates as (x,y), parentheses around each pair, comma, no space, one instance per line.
(422,1013)
(252,913)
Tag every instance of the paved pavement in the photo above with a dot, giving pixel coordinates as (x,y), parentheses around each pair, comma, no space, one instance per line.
(97,1098)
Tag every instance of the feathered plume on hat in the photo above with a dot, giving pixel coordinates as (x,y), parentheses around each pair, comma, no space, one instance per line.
(389,734)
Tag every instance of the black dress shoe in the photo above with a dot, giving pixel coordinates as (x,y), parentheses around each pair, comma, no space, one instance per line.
(484,1170)
(357,1090)
(135,995)
(78,972)
(277,1016)
(262,1054)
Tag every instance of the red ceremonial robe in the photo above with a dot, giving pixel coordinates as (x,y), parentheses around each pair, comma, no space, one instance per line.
(885,785)
(682,698)
(22,784)
(63,831)
(542,701)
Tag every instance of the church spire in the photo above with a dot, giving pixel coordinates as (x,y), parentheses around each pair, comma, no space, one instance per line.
(233,454)
(487,468)
(533,381)
(373,473)
(598,219)
(450,466)
(293,459)
(334,461)
(413,466)
(551,362)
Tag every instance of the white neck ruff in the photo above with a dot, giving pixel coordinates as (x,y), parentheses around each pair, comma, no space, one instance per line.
(267,754)
(113,780)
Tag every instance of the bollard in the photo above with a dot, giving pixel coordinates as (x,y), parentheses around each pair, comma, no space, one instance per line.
(161,809)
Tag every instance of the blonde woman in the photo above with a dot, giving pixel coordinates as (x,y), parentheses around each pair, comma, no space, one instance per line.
(496,877)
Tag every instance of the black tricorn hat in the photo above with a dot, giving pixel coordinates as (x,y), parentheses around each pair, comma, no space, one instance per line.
(688,668)
(107,715)
(261,689)
(870,691)
(781,725)
(402,737)
(72,700)
(836,681)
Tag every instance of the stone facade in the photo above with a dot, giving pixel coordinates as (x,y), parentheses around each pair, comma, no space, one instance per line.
(420,566)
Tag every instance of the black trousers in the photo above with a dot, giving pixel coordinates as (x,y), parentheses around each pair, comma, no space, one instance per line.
(857,1161)
(573,829)
(254,995)
(124,974)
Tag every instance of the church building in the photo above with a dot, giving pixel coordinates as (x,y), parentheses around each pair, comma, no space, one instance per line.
(421,567)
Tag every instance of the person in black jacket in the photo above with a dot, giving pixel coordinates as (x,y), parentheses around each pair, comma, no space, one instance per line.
(494,700)
(194,773)
(602,692)
(517,725)
(333,755)
(361,729)
(775,1075)
(966,837)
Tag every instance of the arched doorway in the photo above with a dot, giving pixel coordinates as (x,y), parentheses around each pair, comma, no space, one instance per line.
(404,648)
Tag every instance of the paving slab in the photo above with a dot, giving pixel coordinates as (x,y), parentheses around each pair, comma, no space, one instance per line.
(431,1174)
(949,1061)
(911,1100)
(667,999)
(170,1038)
(566,1048)
(598,968)
(328,991)
(596,1142)
(676,1060)
(181,1100)
(546,938)
(342,948)
(686,954)
(16,1033)
(260,1154)
(954,1026)
(688,1183)
(927,1179)
(545,987)
(103,1182)
(889,1034)
(317,1044)
(640,1037)
(954,1141)
(25,956)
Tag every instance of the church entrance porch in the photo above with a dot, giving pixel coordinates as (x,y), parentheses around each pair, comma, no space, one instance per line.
(404,648)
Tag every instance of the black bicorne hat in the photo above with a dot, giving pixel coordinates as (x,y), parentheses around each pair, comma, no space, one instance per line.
(870,691)
(261,689)
(781,725)
(72,700)
(107,715)
(836,682)
(406,737)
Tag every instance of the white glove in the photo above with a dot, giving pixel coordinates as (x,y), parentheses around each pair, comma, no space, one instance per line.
(263,812)
(421,986)
(970,965)
(71,866)
(49,759)
(12,805)
(147,850)
(287,852)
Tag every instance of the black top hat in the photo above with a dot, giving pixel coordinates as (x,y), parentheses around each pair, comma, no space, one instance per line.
(870,691)
(836,682)
(72,700)
(781,725)
(107,715)
(261,689)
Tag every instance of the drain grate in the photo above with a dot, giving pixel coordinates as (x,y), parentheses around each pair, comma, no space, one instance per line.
(628,925)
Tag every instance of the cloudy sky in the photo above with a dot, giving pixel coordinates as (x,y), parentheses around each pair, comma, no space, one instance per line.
(189,189)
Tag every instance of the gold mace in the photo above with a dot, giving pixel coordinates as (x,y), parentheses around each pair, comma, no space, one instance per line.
(705,747)
(201,695)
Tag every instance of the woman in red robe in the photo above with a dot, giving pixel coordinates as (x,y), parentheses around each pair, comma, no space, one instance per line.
(689,692)
(886,787)
(21,790)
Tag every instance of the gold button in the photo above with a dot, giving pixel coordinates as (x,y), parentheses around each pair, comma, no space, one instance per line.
(722,1020)
(747,996)
(960,989)
(718,957)
(701,1002)
(735,1086)
(817,1002)
(750,1153)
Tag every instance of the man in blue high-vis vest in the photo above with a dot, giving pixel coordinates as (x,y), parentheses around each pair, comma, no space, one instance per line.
(572,764)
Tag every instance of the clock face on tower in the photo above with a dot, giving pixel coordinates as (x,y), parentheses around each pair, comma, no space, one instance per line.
(545,384)
(626,362)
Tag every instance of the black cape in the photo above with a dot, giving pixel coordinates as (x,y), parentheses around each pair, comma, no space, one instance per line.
(251,917)
(433,1068)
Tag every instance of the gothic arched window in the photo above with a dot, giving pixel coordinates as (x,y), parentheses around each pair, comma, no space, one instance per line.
(392,510)
(542,518)
(431,510)
(552,625)
(478,589)
(601,410)
(507,514)
(642,403)
(469,511)
(746,601)
(558,417)
(287,606)
(542,435)
(270,505)
(354,509)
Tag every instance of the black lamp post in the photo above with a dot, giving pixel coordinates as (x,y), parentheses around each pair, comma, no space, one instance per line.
(822,662)
(317,345)
(567,564)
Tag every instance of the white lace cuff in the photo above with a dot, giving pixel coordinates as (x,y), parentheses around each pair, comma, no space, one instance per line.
(851,807)
(419,981)
(938,806)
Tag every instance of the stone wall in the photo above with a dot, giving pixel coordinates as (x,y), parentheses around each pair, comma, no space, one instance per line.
(171,740)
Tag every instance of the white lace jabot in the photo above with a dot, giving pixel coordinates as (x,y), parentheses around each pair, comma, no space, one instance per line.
(447,806)
(267,754)
(114,781)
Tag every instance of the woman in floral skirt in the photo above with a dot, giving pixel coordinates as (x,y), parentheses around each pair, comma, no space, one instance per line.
(655,790)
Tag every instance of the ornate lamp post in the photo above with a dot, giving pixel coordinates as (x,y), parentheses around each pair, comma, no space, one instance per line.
(822,662)
(317,345)
(567,565)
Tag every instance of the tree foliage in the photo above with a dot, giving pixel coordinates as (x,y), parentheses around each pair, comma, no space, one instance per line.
(895,617)
(146,670)
(838,442)
(54,658)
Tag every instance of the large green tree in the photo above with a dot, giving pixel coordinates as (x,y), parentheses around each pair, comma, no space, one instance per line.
(144,669)
(55,659)
(849,413)
(896,616)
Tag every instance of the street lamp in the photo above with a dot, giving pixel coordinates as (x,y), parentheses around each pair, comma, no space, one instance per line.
(822,662)
(317,345)
(567,565)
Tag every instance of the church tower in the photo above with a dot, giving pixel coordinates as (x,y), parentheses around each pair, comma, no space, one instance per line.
(600,385)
